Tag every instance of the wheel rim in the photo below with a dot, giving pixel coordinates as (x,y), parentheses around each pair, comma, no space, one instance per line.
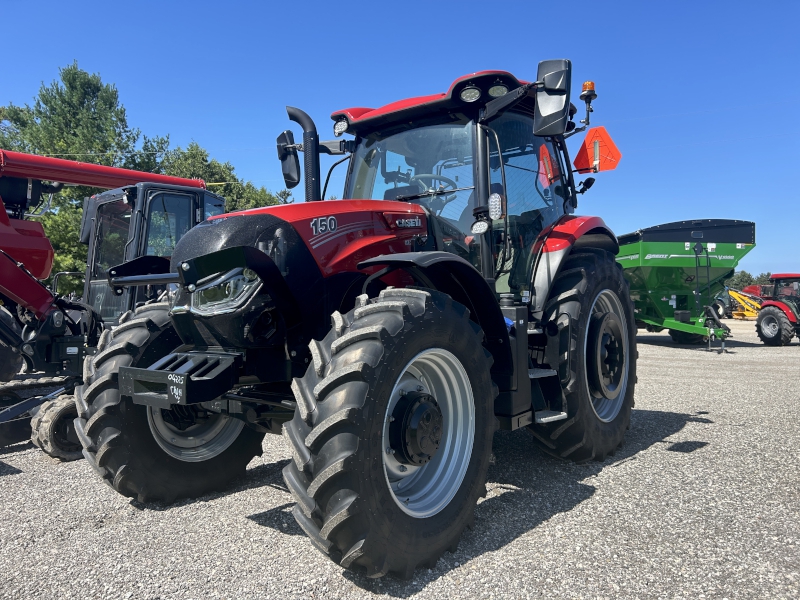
(197,443)
(606,346)
(423,491)
(770,326)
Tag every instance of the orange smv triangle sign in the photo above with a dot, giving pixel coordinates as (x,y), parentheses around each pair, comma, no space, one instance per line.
(597,153)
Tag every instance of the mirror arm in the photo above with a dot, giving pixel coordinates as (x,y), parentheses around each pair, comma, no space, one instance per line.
(283,149)
(335,147)
(498,105)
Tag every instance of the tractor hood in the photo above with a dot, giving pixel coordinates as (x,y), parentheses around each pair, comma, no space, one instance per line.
(332,236)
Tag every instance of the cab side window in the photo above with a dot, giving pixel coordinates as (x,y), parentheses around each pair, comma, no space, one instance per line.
(169,218)
(533,172)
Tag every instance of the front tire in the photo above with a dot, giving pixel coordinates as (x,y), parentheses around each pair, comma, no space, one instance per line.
(773,327)
(590,310)
(393,433)
(146,453)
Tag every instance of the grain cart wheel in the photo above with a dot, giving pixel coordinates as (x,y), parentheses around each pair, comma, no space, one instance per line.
(393,433)
(146,453)
(53,429)
(589,308)
(720,309)
(682,337)
(774,327)
(10,362)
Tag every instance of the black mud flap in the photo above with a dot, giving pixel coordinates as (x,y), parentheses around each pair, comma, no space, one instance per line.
(183,378)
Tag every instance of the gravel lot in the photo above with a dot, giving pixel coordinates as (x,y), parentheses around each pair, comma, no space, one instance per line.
(702,501)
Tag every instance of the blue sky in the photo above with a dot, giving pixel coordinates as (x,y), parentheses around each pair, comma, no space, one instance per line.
(698,96)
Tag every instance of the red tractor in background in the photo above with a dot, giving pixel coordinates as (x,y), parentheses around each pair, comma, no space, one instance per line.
(779,318)
(387,335)
(757,290)
(48,333)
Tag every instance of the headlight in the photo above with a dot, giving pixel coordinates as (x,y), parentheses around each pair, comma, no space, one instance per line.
(225,293)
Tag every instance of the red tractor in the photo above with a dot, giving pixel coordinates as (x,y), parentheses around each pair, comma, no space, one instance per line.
(50,333)
(779,318)
(387,335)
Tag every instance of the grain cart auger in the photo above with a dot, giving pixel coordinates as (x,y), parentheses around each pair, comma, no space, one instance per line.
(387,335)
(677,270)
(779,317)
(49,333)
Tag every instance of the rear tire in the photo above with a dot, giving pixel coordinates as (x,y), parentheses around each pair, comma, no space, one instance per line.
(599,391)
(52,429)
(356,499)
(126,443)
(773,327)
(689,339)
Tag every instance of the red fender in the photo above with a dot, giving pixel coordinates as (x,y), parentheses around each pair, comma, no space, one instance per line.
(556,242)
(787,311)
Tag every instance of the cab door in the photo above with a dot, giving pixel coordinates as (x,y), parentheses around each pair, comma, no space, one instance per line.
(169,214)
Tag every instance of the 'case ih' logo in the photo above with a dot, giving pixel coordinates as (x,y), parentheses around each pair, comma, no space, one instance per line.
(413,222)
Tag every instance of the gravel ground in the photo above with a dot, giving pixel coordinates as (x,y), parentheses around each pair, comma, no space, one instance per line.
(702,501)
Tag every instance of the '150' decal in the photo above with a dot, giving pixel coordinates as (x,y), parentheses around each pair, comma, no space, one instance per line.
(323,225)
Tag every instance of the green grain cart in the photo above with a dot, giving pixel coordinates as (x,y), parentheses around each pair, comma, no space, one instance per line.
(676,271)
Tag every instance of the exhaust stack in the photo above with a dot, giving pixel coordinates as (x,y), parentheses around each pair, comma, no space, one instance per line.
(310,152)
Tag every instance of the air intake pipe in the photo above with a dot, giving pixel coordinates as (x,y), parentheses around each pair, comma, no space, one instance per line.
(310,152)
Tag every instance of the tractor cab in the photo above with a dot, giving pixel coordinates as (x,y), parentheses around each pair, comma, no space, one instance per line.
(486,161)
(145,219)
(786,289)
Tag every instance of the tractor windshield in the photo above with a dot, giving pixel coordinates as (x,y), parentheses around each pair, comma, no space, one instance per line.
(430,165)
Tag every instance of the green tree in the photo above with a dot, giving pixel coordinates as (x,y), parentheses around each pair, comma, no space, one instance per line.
(79,117)
(194,162)
(763,278)
(740,279)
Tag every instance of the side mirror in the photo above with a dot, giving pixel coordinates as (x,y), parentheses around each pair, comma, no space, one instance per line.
(290,162)
(552,97)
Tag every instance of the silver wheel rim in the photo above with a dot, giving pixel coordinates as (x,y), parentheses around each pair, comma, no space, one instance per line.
(199,442)
(426,490)
(607,409)
(769,325)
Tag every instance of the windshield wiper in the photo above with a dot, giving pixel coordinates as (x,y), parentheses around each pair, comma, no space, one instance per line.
(433,193)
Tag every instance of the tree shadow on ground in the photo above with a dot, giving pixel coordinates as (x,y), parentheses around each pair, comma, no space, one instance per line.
(528,487)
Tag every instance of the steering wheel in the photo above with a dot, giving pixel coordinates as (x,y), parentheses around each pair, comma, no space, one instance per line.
(438,202)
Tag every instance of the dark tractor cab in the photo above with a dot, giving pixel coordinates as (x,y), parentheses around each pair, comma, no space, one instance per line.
(145,219)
